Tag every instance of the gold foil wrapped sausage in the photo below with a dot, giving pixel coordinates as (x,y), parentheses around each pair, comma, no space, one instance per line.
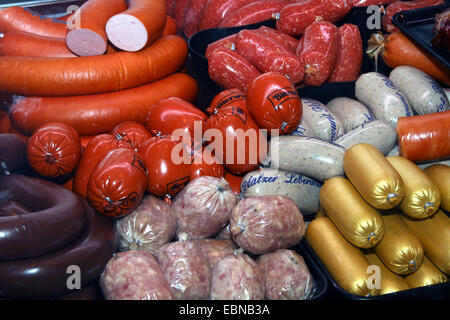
(358,222)
(426,275)
(422,197)
(440,174)
(346,263)
(399,250)
(434,234)
(389,282)
(373,176)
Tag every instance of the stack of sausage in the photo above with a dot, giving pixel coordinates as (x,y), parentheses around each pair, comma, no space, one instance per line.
(386,214)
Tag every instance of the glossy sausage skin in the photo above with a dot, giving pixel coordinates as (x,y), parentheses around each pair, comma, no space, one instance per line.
(58,218)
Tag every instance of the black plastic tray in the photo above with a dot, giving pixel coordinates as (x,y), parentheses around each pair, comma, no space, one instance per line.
(418,26)
(439,291)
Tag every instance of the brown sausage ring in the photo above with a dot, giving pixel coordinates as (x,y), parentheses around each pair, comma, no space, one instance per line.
(58,218)
(47,276)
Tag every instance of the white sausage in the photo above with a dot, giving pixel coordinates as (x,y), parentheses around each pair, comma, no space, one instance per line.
(352,113)
(303,129)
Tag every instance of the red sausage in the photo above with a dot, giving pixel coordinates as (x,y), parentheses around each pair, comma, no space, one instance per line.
(137,27)
(193,15)
(132,134)
(399,6)
(88,38)
(424,137)
(180,12)
(228,97)
(217,10)
(350,54)
(319,52)
(267,55)
(24,20)
(253,13)
(229,42)
(230,70)
(90,114)
(290,43)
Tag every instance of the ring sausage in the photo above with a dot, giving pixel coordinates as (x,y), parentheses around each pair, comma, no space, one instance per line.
(13,153)
(57,219)
(95,74)
(97,114)
(47,276)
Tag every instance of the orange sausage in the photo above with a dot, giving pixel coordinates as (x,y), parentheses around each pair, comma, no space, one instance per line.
(20,19)
(96,114)
(424,137)
(89,38)
(25,44)
(137,27)
(170,27)
(95,74)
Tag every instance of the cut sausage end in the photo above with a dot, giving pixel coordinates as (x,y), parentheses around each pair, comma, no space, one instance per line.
(85,42)
(126,32)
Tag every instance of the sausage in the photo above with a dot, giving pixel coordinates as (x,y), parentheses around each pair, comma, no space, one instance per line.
(193,16)
(224,234)
(350,112)
(422,197)
(253,12)
(234,182)
(58,218)
(350,270)
(89,115)
(186,269)
(215,250)
(91,292)
(296,17)
(424,137)
(32,45)
(179,13)
(378,133)
(134,275)
(434,235)
(54,150)
(382,97)
(205,164)
(426,96)
(303,129)
(24,20)
(266,223)
(325,124)
(286,276)
(150,226)
(228,42)
(138,26)
(170,27)
(424,165)
(398,6)
(426,275)
(11,208)
(237,277)
(366,3)
(400,250)
(357,221)
(118,182)
(89,37)
(131,133)
(320,46)
(48,276)
(230,70)
(203,207)
(267,55)
(217,10)
(373,176)
(303,190)
(350,54)
(94,74)
(228,97)
(13,153)
(312,157)
(282,38)
(440,175)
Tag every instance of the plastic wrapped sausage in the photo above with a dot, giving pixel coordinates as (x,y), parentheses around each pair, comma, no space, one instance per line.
(147,228)
(352,113)
(440,175)
(134,275)
(266,223)
(228,42)
(215,249)
(286,276)
(186,269)
(237,277)
(203,207)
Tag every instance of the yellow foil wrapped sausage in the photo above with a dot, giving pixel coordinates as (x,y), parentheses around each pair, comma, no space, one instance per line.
(399,250)
(434,234)
(358,222)
(373,176)
(426,275)
(346,263)
(440,174)
(422,197)
(389,282)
